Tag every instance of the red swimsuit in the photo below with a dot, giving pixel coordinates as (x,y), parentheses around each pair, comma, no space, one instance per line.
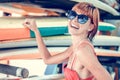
(73,75)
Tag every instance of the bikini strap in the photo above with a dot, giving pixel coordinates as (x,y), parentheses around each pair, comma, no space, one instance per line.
(90,44)
(72,62)
(73,59)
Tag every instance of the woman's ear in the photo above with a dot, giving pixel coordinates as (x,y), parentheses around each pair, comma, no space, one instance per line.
(91,27)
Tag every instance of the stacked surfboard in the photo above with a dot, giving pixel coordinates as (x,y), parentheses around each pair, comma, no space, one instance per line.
(13,33)
(22,9)
(12,28)
(14,37)
(53,29)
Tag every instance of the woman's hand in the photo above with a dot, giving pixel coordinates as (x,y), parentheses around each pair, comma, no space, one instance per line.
(31,24)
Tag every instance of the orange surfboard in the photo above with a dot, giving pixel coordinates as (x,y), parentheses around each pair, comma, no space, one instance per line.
(26,9)
(18,33)
(33,10)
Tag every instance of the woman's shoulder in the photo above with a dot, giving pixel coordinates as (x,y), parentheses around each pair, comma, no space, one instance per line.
(85,45)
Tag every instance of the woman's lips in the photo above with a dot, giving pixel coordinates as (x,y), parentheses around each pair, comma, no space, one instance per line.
(74,26)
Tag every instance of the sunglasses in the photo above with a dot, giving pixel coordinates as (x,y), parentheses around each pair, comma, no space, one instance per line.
(82,19)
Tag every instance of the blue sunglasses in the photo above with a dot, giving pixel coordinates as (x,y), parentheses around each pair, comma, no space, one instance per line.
(82,19)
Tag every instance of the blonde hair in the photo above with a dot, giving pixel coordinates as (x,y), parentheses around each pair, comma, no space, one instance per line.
(92,12)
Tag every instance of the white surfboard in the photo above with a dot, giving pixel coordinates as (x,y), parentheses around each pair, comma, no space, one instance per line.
(64,40)
(33,53)
(100,5)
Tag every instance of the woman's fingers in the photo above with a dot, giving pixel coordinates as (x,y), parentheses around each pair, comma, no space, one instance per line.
(30,23)
(27,23)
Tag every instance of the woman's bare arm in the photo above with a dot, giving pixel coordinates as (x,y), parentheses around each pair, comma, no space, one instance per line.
(48,59)
(88,58)
(46,54)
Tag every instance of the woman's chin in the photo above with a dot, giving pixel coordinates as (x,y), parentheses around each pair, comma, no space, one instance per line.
(72,33)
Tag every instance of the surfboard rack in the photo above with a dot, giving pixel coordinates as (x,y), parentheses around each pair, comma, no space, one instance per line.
(13,70)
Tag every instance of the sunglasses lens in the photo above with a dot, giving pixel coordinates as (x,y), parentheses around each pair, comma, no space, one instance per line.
(82,19)
(71,14)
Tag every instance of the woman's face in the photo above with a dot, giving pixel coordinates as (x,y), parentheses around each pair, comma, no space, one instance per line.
(76,28)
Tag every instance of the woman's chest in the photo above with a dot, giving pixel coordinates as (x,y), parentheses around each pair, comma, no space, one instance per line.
(74,63)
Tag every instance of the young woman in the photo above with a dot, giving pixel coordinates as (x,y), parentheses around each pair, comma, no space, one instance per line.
(82,61)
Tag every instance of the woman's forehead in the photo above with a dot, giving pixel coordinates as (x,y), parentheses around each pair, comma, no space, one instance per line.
(84,10)
(78,11)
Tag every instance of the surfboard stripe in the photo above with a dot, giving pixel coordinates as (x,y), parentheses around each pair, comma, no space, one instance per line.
(51,31)
(18,33)
(103,26)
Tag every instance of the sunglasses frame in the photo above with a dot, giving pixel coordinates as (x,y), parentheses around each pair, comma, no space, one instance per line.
(81,18)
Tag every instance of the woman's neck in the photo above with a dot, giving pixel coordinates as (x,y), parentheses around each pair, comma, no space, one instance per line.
(76,39)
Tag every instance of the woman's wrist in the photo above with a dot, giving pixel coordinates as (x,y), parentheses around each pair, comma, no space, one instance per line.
(37,32)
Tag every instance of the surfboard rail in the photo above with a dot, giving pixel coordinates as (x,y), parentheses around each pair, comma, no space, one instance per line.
(101,6)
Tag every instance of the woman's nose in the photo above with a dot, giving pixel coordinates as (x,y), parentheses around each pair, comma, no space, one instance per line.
(75,20)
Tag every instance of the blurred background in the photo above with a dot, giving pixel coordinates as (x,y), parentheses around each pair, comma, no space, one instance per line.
(18,46)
